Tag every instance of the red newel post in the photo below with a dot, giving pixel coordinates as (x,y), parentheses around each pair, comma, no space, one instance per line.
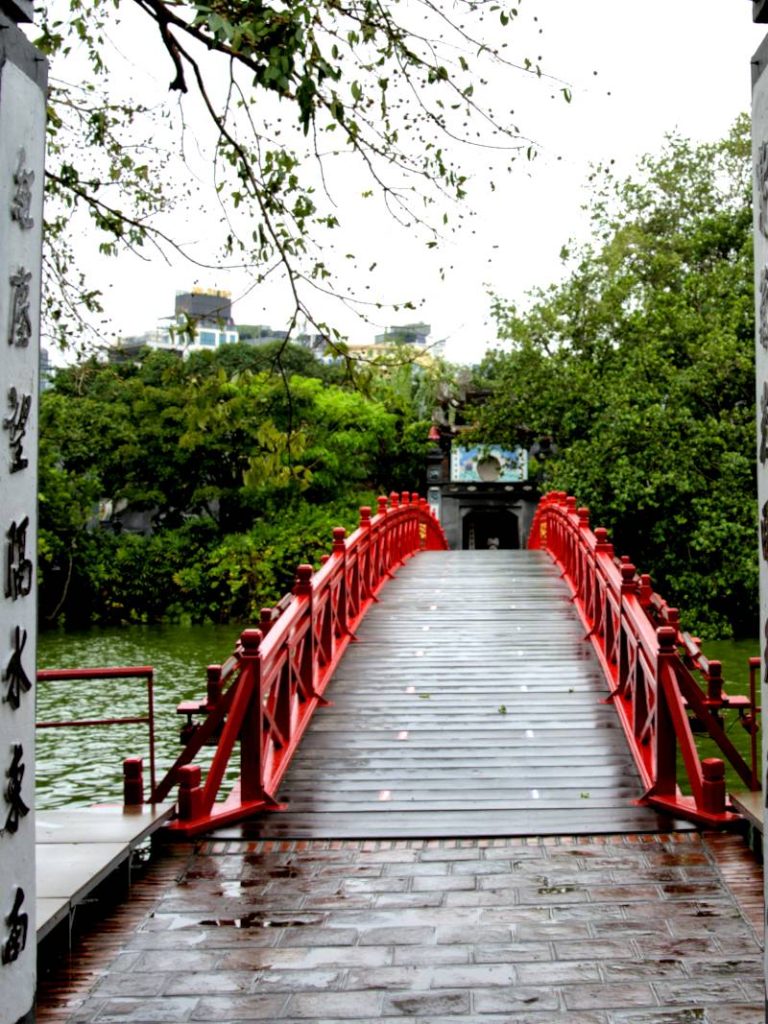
(305,588)
(713,786)
(133,781)
(303,584)
(190,792)
(251,733)
(603,546)
(339,551)
(715,682)
(629,584)
(213,686)
(666,742)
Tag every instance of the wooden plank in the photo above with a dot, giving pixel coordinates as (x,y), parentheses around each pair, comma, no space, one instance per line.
(77,848)
(471,705)
(752,806)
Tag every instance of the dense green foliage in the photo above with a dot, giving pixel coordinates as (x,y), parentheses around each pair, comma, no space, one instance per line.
(214,478)
(637,373)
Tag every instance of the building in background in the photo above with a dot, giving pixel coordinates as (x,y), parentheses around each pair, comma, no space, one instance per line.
(415,336)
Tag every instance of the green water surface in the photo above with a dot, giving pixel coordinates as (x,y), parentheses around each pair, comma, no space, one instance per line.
(84,765)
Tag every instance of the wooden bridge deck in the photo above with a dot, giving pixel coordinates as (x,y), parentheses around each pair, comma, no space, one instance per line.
(471,706)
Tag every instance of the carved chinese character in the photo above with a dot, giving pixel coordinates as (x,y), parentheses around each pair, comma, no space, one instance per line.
(21,322)
(16,425)
(15,675)
(18,926)
(15,774)
(21,203)
(18,568)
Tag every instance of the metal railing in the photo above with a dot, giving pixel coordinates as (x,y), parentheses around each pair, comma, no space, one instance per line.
(132,767)
(650,667)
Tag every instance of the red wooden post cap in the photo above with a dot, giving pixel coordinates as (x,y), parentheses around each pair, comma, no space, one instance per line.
(628,581)
(414,498)
(265,620)
(667,638)
(250,639)
(570,503)
(394,499)
(339,533)
(715,681)
(189,776)
(673,616)
(405,497)
(583,514)
(382,502)
(601,536)
(365,516)
(189,792)
(213,684)
(132,767)
(713,768)
(303,583)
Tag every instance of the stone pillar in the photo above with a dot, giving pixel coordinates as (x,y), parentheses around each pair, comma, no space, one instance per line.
(760,187)
(23,75)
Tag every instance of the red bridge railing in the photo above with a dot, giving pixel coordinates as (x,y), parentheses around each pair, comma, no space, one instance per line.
(649,664)
(264,696)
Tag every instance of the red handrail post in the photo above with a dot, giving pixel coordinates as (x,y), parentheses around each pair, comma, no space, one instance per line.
(133,781)
(342,600)
(713,785)
(665,784)
(190,799)
(252,728)
(304,588)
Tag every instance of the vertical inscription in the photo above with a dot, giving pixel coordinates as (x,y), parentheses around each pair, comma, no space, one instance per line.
(16,425)
(15,675)
(21,201)
(18,926)
(20,330)
(17,809)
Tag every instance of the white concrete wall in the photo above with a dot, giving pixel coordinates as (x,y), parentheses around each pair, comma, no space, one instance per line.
(22,123)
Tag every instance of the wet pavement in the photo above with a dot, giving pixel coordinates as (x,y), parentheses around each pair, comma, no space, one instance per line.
(647,929)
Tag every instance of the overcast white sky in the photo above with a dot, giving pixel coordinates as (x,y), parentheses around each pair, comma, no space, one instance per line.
(661,65)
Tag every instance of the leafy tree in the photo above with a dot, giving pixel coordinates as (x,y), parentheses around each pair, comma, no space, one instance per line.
(636,376)
(235,477)
(288,90)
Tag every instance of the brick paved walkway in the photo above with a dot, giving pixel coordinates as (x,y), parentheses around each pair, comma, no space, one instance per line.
(647,929)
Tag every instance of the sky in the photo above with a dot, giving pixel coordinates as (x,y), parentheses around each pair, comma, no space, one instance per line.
(635,73)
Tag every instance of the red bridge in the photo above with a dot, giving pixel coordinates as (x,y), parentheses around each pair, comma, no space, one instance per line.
(546,691)
(449,785)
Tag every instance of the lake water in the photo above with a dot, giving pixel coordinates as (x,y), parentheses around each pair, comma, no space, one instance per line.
(84,766)
(81,766)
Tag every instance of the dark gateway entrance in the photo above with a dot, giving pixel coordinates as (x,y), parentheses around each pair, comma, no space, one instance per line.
(490,529)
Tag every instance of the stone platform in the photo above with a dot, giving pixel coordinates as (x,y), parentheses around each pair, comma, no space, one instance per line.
(626,929)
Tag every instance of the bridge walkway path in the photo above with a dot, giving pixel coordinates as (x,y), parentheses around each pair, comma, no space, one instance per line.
(471,706)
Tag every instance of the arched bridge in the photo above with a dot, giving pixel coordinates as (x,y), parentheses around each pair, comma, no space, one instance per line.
(460,693)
